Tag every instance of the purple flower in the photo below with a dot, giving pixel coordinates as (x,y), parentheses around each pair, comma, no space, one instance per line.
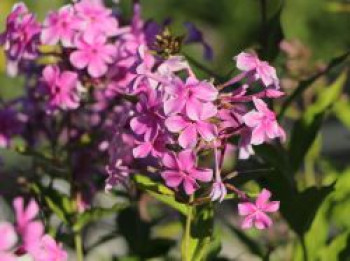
(189,96)
(20,40)
(181,169)
(9,126)
(249,62)
(93,19)
(255,213)
(190,128)
(60,26)
(93,53)
(61,88)
(148,120)
(263,123)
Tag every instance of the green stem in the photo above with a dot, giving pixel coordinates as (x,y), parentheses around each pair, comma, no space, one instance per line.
(303,245)
(79,246)
(187,234)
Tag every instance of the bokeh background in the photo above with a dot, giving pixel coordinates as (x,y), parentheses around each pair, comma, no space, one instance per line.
(300,37)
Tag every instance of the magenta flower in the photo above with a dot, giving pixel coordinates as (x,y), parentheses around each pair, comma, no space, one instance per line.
(263,123)
(61,88)
(20,40)
(49,250)
(255,213)
(249,62)
(94,54)
(190,128)
(155,147)
(181,169)
(189,96)
(30,230)
(8,240)
(93,18)
(60,26)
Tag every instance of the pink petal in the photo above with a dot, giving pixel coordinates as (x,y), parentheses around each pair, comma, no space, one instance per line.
(188,138)
(263,198)
(246,208)
(173,105)
(262,221)
(79,59)
(176,123)
(207,130)
(172,178)
(247,222)
(209,110)
(142,150)
(194,109)
(272,206)
(258,136)
(97,68)
(246,61)
(204,175)
(261,106)
(190,186)
(252,118)
(205,91)
(187,159)
(170,161)
(8,236)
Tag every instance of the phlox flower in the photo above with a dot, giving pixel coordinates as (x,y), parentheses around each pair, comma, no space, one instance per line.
(61,88)
(93,53)
(261,70)
(263,123)
(49,250)
(93,18)
(189,95)
(155,146)
(218,191)
(59,26)
(181,169)
(190,128)
(255,212)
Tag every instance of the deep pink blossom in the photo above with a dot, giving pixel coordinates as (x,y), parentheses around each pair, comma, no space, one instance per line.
(189,96)
(61,88)
(93,53)
(181,169)
(263,123)
(261,70)
(189,129)
(93,18)
(27,227)
(155,147)
(60,26)
(21,37)
(255,212)
(49,250)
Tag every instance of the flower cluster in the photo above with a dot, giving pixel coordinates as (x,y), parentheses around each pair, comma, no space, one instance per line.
(130,85)
(27,236)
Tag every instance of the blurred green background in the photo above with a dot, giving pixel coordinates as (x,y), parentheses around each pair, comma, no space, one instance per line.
(321,29)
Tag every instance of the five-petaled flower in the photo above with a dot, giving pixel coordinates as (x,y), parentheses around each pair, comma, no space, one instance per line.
(255,212)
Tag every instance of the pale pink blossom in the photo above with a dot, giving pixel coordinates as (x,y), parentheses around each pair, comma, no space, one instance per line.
(59,26)
(261,70)
(93,53)
(218,191)
(255,212)
(49,250)
(263,123)
(8,240)
(181,169)
(61,88)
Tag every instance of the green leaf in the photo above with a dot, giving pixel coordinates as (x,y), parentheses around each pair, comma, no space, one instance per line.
(303,85)
(95,214)
(160,192)
(338,249)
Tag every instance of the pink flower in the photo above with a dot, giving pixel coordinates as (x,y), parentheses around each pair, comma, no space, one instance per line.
(94,19)
(255,213)
(93,53)
(263,122)
(59,25)
(189,96)
(30,230)
(49,250)
(8,240)
(249,62)
(181,169)
(61,88)
(156,147)
(190,128)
